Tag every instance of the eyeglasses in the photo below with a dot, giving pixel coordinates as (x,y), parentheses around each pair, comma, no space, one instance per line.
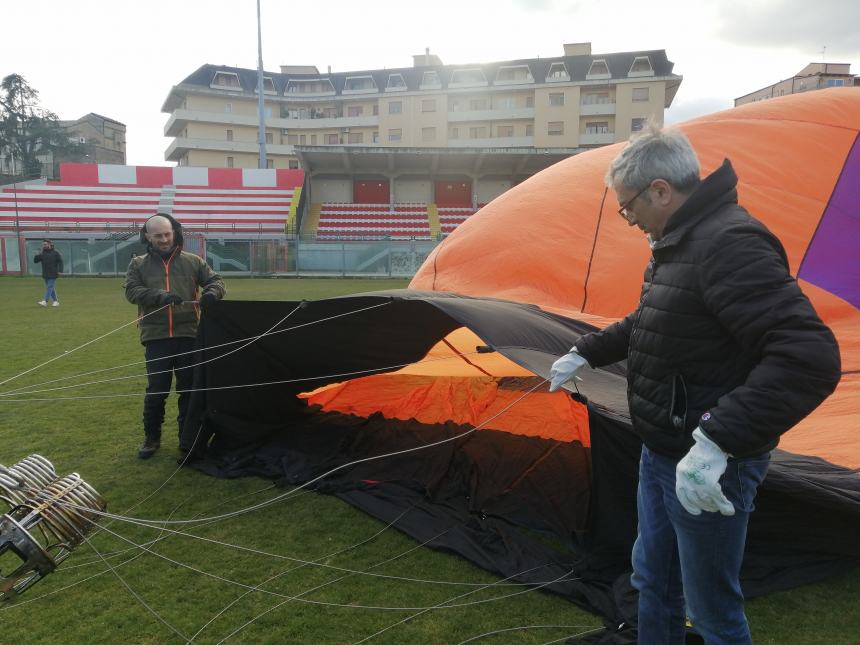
(623,211)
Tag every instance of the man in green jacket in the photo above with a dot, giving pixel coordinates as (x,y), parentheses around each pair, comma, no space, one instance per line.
(164,284)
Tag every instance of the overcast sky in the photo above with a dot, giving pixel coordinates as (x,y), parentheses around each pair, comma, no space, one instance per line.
(120,59)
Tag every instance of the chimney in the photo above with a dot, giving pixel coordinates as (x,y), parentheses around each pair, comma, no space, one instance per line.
(577,49)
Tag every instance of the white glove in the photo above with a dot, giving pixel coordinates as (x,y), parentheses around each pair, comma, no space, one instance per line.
(697,477)
(564,369)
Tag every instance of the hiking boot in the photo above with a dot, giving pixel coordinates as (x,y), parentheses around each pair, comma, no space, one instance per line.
(150,445)
(56,303)
(42,303)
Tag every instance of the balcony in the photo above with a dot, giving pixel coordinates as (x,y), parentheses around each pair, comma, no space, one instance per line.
(493,142)
(590,138)
(364,121)
(590,109)
(180,118)
(491,115)
(181,145)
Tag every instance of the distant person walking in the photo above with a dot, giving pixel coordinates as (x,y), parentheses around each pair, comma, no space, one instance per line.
(52,267)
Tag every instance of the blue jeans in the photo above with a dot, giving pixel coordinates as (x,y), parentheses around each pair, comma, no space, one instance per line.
(694,560)
(50,292)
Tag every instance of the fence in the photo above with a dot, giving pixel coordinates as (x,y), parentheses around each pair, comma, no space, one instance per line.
(388,258)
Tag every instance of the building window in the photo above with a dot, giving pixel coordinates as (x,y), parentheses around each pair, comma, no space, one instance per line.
(428,105)
(478,132)
(505,103)
(835,82)
(557,72)
(472,76)
(530,130)
(313,139)
(395,107)
(293,139)
(229,135)
(598,98)
(331,139)
(428,134)
(395,82)
(430,78)
(330,113)
(597,127)
(641,65)
(637,124)
(556,99)
(302,139)
(478,104)
(555,128)
(355,137)
(270,163)
(375,137)
(455,133)
(530,101)
(375,109)
(227,79)
(229,162)
(395,135)
(228,108)
(504,131)
(359,83)
(355,110)
(640,94)
(268,112)
(269,138)
(598,68)
(515,74)
(293,164)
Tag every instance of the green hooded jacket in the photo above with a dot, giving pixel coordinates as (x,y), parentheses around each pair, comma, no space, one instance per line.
(150,277)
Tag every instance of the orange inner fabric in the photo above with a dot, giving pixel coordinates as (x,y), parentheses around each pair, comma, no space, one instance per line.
(473,401)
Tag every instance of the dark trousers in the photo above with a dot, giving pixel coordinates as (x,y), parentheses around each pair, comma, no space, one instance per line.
(164,357)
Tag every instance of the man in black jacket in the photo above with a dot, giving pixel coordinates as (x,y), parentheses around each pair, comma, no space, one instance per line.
(52,267)
(724,354)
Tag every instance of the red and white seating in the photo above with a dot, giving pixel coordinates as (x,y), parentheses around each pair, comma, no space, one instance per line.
(104,198)
(450,217)
(347,221)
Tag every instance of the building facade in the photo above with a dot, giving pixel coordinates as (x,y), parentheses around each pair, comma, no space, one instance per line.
(815,76)
(100,140)
(573,102)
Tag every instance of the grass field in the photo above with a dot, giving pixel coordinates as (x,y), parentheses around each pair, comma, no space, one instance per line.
(189,581)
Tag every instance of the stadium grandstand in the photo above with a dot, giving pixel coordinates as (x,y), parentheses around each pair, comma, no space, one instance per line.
(266,220)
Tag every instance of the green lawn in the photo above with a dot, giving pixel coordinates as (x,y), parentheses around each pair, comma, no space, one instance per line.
(99,437)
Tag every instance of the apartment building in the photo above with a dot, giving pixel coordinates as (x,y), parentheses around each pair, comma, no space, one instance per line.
(101,140)
(815,76)
(570,102)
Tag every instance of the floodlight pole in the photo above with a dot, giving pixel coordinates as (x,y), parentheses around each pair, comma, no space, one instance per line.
(22,256)
(260,103)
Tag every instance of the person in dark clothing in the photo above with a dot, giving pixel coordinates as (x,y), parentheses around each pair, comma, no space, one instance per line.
(164,284)
(52,267)
(724,354)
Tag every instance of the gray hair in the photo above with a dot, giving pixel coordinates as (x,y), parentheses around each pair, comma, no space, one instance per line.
(655,154)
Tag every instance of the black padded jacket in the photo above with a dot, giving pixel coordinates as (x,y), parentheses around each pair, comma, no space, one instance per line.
(723,337)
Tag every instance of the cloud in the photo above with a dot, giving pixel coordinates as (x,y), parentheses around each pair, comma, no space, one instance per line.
(682,110)
(794,24)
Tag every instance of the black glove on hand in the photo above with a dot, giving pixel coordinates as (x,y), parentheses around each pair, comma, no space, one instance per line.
(167,298)
(207,298)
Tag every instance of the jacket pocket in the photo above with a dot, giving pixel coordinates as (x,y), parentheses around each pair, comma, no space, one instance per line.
(678,404)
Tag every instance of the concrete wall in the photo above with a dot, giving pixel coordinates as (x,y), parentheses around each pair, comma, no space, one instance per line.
(413,190)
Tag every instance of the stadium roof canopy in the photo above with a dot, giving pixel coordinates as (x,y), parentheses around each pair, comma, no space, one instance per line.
(441,162)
